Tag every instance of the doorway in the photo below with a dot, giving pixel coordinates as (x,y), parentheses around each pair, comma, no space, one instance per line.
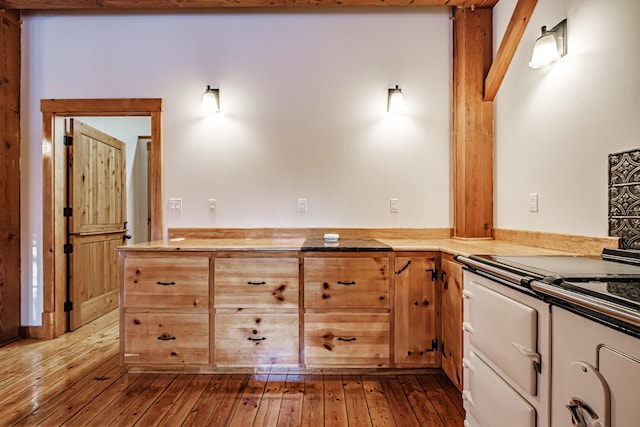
(54,112)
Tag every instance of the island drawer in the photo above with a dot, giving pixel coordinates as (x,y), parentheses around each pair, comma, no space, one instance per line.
(345,282)
(256,339)
(175,282)
(346,339)
(166,338)
(256,282)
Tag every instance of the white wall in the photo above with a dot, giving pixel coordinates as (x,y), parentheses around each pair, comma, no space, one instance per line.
(555,127)
(303,113)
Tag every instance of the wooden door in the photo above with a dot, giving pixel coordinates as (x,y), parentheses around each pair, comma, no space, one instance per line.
(96,223)
(452,319)
(415,311)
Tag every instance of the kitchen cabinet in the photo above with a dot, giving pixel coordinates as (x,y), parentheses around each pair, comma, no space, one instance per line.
(165,309)
(415,310)
(451,303)
(256,299)
(347,310)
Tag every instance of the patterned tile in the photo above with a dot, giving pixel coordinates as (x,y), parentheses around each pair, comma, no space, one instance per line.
(624,197)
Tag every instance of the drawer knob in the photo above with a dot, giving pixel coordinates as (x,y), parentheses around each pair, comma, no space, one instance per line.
(347,339)
(165,283)
(256,339)
(346,283)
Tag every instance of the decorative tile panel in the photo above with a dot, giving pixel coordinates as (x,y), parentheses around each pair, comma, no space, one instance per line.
(624,197)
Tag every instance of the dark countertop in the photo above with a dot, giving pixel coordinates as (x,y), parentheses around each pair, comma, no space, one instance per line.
(345,245)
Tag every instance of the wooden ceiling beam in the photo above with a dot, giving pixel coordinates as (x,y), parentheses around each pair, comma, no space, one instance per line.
(203,4)
(517,24)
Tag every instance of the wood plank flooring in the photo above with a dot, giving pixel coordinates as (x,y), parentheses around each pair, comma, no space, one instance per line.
(76,380)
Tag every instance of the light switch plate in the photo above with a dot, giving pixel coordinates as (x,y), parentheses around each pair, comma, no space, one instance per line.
(302,205)
(533,202)
(175,205)
(394,205)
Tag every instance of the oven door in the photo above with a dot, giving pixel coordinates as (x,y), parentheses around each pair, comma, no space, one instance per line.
(505,331)
(490,400)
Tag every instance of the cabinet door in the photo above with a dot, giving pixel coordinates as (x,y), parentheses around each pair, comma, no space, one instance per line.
(166,338)
(256,282)
(415,311)
(452,320)
(346,339)
(172,282)
(256,339)
(346,282)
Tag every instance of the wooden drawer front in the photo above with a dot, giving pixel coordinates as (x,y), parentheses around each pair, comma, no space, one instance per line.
(346,282)
(166,282)
(350,340)
(256,339)
(166,338)
(256,282)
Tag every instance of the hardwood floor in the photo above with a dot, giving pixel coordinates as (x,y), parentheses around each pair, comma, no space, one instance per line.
(76,380)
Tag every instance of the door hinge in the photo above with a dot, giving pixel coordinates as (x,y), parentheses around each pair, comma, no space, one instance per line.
(67,212)
(68,305)
(68,141)
(434,273)
(434,345)
(68,248)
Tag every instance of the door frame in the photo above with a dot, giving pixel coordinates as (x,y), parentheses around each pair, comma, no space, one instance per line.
(54,111)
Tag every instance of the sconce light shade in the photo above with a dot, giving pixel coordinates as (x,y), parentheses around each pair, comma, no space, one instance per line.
(550,46)
(395,102)
(211,100)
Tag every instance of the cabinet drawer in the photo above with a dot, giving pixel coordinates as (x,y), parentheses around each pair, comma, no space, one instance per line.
(255,339)
(256,282)
(166,282)
(166,338)
(346,282)
(346,339)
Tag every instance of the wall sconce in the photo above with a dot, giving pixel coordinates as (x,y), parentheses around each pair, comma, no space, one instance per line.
(550,46)
(395,101)
(211,100)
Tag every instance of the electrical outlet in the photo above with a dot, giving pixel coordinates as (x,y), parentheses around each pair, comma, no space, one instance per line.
(394,205)
(213,204)
(175,205)
(302,205)
(533,202)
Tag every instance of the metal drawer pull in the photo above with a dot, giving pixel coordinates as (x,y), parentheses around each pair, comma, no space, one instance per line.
(165,283)
(467,294)
(347,339)
(346,283)
(251,283)
(466,326)
(535,357)
(166,337)
(404,268)
(257,339)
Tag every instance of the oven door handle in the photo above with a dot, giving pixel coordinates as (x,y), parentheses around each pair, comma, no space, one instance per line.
(535,357)
(466,326)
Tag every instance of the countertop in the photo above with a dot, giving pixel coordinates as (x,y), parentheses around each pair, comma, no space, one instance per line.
(450,246)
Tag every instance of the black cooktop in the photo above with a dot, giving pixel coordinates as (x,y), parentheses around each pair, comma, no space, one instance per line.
(345,245)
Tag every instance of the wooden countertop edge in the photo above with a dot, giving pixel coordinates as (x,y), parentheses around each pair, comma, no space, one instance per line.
(505,241)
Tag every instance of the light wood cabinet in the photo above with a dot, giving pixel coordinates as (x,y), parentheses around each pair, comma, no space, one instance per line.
(256,339)
(415,306)
(347,310)
(452,319)
(166,338)
(165,316)
(343,282)
(256,282)
(256,300)
(346,339)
